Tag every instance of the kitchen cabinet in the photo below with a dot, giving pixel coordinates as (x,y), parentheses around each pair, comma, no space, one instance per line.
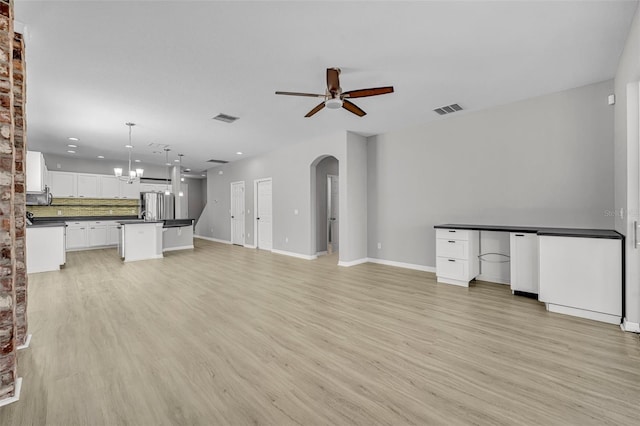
(36,172)
(97,235)
(457,256)
(87,186)
(109,187)
(76,235)
(524,262)
(63,184)
(112,234)
(45,248)
(581,277)
(153,187)
(130,190)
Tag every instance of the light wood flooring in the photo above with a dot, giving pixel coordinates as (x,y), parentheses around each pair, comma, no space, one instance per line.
(224,335)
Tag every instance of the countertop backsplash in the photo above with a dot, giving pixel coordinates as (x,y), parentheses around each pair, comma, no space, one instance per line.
(87,207)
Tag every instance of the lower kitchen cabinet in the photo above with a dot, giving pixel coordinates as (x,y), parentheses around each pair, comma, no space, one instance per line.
(76,236)
(524,262)
(91,234)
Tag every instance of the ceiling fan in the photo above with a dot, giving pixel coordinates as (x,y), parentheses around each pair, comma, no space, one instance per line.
(335,98)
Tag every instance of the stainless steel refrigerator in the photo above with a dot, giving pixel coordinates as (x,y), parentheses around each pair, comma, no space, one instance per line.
(157,206)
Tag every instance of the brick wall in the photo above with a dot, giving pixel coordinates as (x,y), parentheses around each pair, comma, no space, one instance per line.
(7,205)
(19,185)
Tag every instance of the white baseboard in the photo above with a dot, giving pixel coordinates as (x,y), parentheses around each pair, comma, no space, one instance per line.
(292,254)
(453,282)
(493,279)
(353,262)
(177,248)
(321,253)
(215,240)
(26,344)
(250,246)
(632,327)
(16,394)
(583,313)
(402,264)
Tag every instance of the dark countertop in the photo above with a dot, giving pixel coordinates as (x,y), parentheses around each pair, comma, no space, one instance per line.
(138,222)
(177,223)
(81,218)
(540,230)
(47,224)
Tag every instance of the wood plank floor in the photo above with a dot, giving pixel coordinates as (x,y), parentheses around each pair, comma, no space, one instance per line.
(224,335)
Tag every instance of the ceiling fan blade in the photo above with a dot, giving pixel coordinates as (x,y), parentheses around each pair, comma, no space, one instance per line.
(363,93)
(316,109)
(311,95)
(333,80)
(351,107)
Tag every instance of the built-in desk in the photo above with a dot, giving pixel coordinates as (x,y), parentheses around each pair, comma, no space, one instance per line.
(573,271)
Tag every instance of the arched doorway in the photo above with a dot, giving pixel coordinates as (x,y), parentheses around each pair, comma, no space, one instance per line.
(325,190)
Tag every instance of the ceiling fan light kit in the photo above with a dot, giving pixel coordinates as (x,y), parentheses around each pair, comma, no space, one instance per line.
(335,98)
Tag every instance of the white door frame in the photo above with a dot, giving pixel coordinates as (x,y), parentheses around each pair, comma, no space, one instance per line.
(255,210)
(231,210)
(330,206)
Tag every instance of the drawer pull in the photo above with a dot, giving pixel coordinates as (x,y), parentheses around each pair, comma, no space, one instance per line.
(451,241)
(451,260)
(451,230)
(519,235)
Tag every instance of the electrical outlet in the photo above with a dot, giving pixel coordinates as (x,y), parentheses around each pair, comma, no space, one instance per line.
(379,246)
(295,211)
(248,235)
(133,210)
(110,211)
(59,212)
(286,239)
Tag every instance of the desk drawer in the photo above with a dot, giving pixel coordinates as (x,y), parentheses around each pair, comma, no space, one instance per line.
(453,234)
(455,269)
(456,249)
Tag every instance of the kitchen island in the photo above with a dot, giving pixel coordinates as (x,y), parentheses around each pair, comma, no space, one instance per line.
(140,240)
(45,246)
(177,234)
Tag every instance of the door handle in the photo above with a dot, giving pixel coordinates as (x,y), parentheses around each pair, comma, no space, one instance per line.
(257,218)
(232,217)
(452,241)
(519,235)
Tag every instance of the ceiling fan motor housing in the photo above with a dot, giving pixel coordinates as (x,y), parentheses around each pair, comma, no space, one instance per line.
(334,103)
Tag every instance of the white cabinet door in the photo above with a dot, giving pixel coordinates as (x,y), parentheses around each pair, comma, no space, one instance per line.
(36,171)
(112,235)
(524,262)
(109,187)
(97,235)
(63,184)
(87,186)
(130,190)
(76,237)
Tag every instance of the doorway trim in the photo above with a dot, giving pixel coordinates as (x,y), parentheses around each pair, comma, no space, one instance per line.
(231,218)
(255,210)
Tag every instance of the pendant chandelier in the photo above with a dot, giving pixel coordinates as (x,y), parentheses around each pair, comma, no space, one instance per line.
(133,175)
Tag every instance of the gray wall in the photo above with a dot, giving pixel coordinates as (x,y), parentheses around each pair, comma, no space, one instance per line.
(543,161)
(196,203)
(328,166)
(356,198)
(626,167)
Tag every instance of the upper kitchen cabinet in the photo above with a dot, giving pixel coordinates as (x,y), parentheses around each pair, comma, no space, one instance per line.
(130,190)
(87,186)
(36,171)
(63,184)
(109,187)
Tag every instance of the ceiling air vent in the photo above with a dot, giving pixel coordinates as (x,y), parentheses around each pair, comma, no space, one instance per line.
(448,109)
(226,118)
(217,161)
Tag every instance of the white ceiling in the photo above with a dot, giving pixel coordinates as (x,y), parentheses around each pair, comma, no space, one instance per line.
(171,66)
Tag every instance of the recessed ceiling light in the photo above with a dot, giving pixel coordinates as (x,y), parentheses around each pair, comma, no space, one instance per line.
(74,139)
(176,161)
(167,164)
(100,156)
(72,145)
(71,152)
(203,175)
(137,161)
(128,146)
(239,153)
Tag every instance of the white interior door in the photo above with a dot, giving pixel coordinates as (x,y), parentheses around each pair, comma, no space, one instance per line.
(264,226)
(237,213)
(333,222)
